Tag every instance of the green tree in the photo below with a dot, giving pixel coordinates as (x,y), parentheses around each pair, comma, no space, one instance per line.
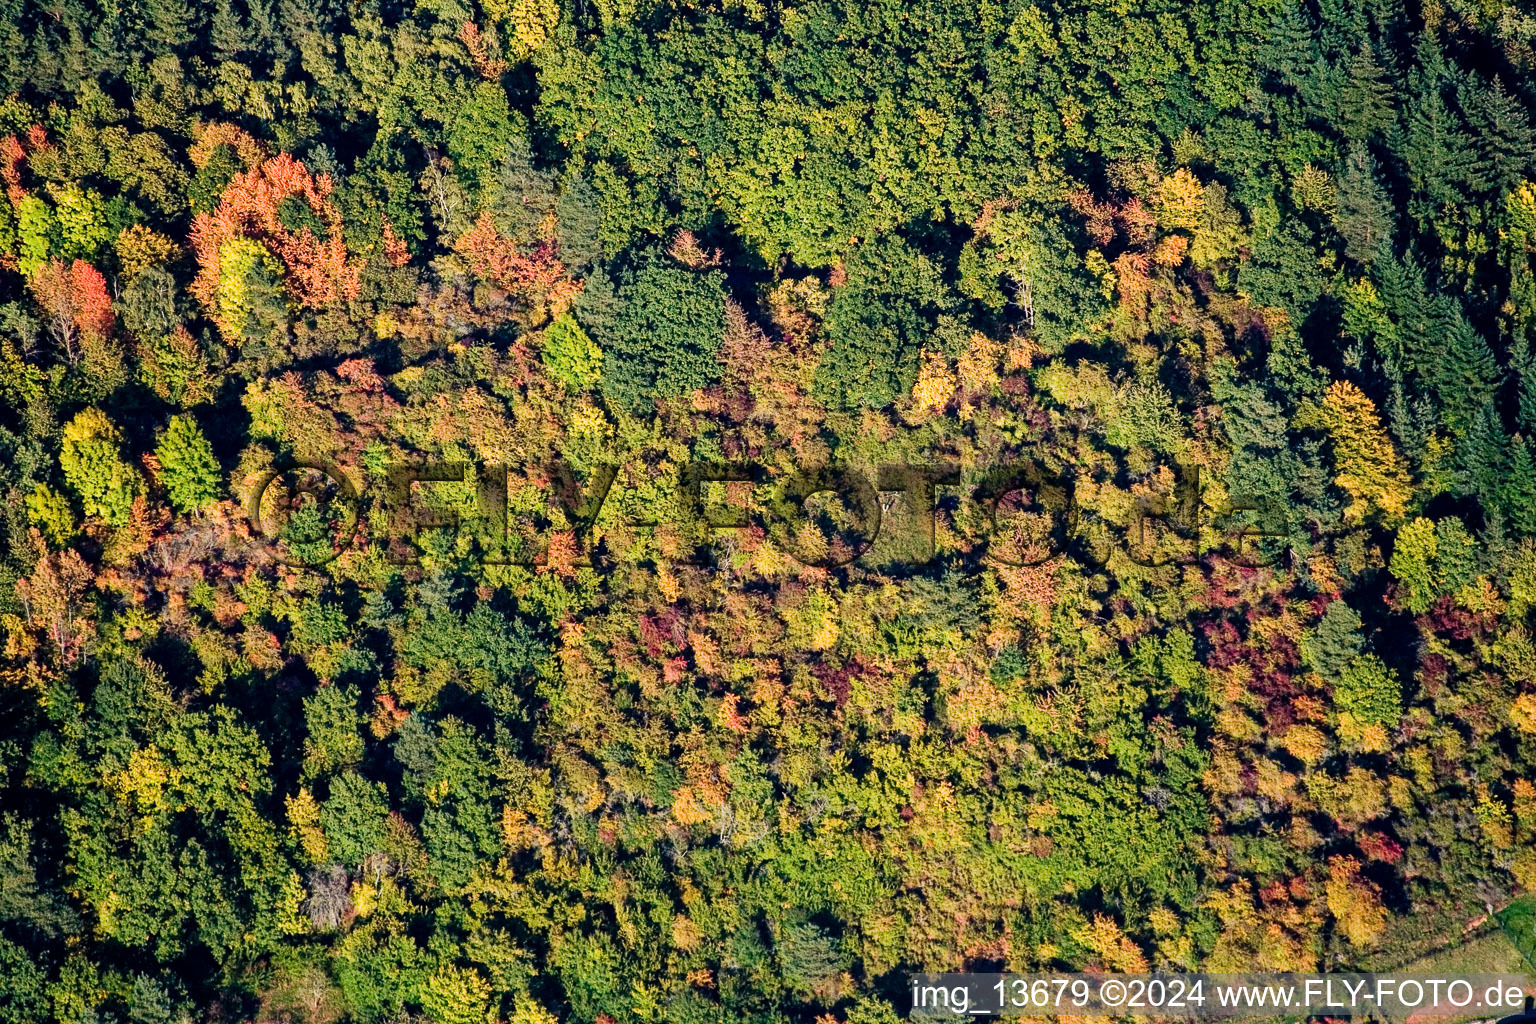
(1502,126)
(38,235)
(151,304)
(1364,214)
(1283,270)
(1336,641)
(91,457)
(208,184)
(1518,496)
(481,131)
(662,343)
(353,817)
(1044,267)
(188,467)
(570,356)
(1441,158)
(1413,557)
(1364,97)
(149,1002)
(807,956)
(24,996)
(49,511)
(878,322)
(1460,366)
(455,995)
(253,305)
(1369,691)
(86,225)
(332,740)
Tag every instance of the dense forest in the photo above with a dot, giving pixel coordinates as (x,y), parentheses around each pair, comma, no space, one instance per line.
(441,445)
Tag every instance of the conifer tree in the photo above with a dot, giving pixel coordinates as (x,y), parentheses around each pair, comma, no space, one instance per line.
(1405,296)
(1343,27)
(1523,364)
(1290,47)
(1503,130)
(1364,216)
(1462,368)
(1441,159)
(1518,497)
(1363,98)
(1483,455)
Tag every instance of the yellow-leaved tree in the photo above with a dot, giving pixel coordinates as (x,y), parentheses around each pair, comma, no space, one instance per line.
(1369,467)
(529,23)
(455,995)
(1115,950)
(1354,903)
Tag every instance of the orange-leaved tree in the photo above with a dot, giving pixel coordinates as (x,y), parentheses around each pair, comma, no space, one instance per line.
(536,277)
(288,211)
(74,297)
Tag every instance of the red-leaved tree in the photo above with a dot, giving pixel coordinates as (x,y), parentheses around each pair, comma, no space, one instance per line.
(537,277)
(12,153)
(75,299)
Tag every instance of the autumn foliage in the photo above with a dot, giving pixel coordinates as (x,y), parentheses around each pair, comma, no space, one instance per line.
(75,298)
(11,156)
(318,269)
(1370,469)
(500,260)
(415,605)
(486,66)
(213,134)
(395,249)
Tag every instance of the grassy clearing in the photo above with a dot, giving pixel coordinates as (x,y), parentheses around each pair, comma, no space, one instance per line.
(1490,952)
(1519,923)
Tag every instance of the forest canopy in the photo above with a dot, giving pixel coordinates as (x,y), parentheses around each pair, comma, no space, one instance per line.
(440,448)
